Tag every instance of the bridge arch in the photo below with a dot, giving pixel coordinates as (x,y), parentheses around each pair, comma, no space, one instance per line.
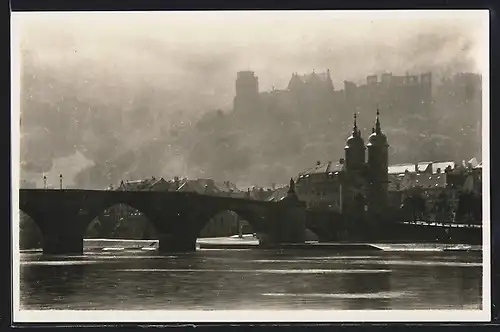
(324,225)
(64,216)
(121,220)
(28,216)
(225,223)
(255,221)
(30,233)
(311,234)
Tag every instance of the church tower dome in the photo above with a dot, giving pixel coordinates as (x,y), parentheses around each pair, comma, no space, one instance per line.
(355,149)
(355,140)
(377,138)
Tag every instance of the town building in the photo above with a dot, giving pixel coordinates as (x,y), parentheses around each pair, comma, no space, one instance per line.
(353,185)
(443,185)
(401,175)
(356,184)
(320,186)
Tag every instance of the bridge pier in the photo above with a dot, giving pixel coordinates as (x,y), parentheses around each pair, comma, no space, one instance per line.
(62,244)
(176,243)
(62,230)
(289,225)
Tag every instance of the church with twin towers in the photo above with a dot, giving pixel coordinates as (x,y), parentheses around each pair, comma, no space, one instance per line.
(355,184)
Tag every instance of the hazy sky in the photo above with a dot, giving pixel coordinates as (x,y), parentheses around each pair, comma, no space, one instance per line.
(166,47)
(191,58)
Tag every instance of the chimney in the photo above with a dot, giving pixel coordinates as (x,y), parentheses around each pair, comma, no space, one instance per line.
(318,163)
(273,186)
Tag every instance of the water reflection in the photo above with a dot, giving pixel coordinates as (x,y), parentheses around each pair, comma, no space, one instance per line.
(251,279)
(54,281)
(372,290)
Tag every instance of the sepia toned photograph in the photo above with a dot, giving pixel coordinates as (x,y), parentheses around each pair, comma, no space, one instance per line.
(250,166)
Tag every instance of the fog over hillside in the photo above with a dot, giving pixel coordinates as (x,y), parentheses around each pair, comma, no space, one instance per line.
(120,96)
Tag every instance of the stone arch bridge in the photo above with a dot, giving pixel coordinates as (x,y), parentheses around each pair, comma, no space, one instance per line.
(64,215)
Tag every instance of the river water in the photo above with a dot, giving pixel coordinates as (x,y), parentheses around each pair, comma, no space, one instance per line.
(140,279)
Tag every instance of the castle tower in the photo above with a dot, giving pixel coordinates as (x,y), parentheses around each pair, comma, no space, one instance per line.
(426,84)
(355,150)
(295,83)
(426,92)
(329,82)
(378,163)
(247,91)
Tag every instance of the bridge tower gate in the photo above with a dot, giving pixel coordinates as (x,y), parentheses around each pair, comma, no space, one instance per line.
(291,223)
(289,216)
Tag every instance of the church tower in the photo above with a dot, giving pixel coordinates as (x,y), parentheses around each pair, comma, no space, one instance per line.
(355,150)
(378,163)
(353,187)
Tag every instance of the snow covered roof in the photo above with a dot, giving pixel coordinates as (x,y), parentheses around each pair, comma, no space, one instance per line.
(199,186)
(138,185)
(442,165)
(279,194)
(401,168)
(424,166)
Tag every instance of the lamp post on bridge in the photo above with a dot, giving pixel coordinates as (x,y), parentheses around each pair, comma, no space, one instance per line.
(60,181)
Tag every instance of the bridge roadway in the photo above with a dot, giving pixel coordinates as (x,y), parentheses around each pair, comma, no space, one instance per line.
(64,215)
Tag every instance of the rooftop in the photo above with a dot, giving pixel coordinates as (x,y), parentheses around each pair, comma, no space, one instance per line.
(138,185)
(423,166)
(328,167)
(309,77)
(279,194)
(401,168)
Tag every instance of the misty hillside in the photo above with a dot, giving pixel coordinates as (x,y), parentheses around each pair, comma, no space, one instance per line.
(101,103)
(127,136)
